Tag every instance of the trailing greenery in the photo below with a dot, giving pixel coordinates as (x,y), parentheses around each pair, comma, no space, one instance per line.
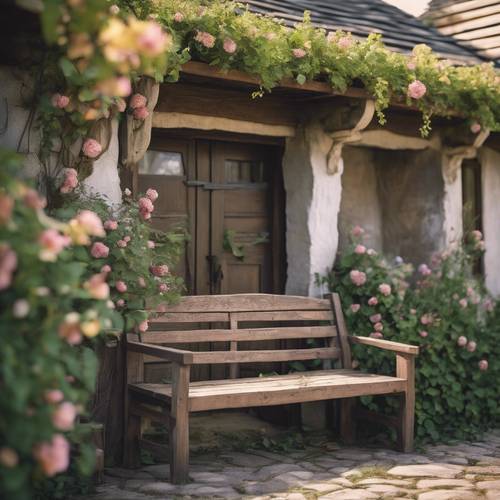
(446,311)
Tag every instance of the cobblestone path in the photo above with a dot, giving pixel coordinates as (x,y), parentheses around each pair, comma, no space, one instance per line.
(465,471)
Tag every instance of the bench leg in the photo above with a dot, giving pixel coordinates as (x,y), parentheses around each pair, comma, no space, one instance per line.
(179,425)
(131,451)
(405,368)
(347,429)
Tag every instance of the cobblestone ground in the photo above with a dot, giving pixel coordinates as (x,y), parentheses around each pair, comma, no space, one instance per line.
(465,471)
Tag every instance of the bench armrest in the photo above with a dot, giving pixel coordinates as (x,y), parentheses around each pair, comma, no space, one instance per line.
(388,345)
(168,353)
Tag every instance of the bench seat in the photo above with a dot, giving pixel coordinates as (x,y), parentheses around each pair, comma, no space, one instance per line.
(280,389)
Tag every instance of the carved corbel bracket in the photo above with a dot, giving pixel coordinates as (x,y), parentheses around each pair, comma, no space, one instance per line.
(357,116)
(454,156)
(136,134)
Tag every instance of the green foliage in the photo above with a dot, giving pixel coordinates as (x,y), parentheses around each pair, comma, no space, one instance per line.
(135,247)
(42,295)
(446,311)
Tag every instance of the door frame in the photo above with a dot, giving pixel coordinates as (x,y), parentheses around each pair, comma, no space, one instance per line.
(196,169)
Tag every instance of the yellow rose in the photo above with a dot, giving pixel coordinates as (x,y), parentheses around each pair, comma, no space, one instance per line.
(90,328)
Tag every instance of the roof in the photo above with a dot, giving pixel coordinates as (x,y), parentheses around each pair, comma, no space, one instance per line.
(400,31)
(473,23)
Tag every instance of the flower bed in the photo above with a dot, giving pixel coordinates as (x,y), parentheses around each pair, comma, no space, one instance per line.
(443,308)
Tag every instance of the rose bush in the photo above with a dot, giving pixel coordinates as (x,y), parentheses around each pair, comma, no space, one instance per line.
(52,309)
(444,309)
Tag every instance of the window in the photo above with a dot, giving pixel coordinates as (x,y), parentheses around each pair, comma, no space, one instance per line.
(244,171)
(162,163)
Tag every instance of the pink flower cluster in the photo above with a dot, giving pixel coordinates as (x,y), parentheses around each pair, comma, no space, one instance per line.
(138,104)
(8,264)
(153,40)
(159,270)
(91,148)
(230,46)
(385,289)
(60,101)
(53,456)
(424,270)
(64,416)
(97,286)
(206,39)
(6,207)
(416,89)
(146,206)
(178,17)
(360,249)
(52,243)
(121,286)
(70,180)
(358,278)
(299,53)
(111,225)
(99,250)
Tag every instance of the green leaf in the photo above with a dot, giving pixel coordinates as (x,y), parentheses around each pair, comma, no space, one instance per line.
(301,79)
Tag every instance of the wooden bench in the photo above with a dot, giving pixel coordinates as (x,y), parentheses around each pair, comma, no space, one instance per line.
(290,319)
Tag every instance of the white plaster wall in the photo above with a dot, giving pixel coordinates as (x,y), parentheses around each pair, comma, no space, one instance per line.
(490,163)
(16,88)
(360,203)
(104,178)
(453,205)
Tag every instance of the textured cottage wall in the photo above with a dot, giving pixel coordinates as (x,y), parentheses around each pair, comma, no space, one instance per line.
(411,193)
(490,163)
(360,203)
(14,92)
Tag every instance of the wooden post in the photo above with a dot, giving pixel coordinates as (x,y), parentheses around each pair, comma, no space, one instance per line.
(233,345)
(135,373)
(405,368)
(179,424)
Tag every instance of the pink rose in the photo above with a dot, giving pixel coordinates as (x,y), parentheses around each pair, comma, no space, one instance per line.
(488,305)
(355,308)
(53,456)
(416,89)
(120,303)
(106,268)
(70,180)
(471,346)
(426,319)
(358,278)
(178,17)
(52,243)
(162,287)
(123,88)
(141,113)
(153,40)
(298,53)
(477,235)
(344,42)
(143,326)
(424,270)
(376,318)
(60,101)
(151,244)
(413,311)
(462,341)
(376,335)
(372,301)
(99,250)
(230,46)
(385,289)
(463,303)
(54,396)
(33,200)
(111,225)
(160,270)
(146,205)
(483,365)
(152,194)
(378,327)
(8,457)
(121,243)
(114,9)
(357,231)
(121,286)
(126,239)
(145,214)
(91,223)
(8,264)
(91,148)
(360,249)
(206,39)
(20,308)
(423,333)
(141,282)
(97,287)
(475,128)
(64,416)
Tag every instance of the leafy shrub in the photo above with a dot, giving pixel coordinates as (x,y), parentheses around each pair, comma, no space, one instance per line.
(135,258)
(50,315)
(445,310)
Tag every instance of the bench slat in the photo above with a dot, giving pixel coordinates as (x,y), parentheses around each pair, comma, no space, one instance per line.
(283,389)
(243,334)
(284,316)
(220,357)
(247,302)
(190,317)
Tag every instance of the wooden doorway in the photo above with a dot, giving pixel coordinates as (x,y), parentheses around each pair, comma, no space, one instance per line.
(228,193)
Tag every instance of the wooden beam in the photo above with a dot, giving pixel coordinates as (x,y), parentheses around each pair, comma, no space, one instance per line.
(386,344)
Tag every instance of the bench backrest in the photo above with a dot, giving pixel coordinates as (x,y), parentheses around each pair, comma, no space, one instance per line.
(285,318)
